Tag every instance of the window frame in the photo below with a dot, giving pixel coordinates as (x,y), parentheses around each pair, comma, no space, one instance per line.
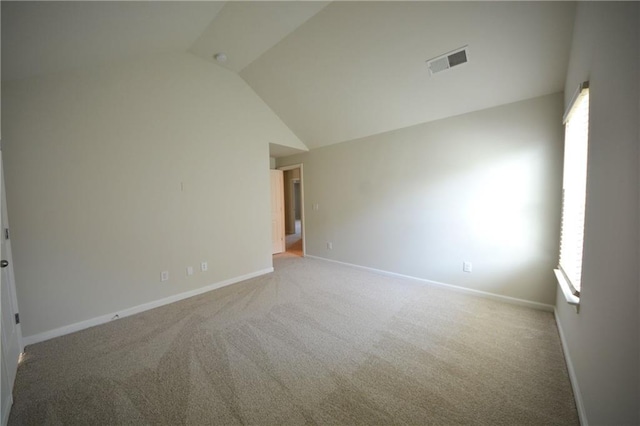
(570,283)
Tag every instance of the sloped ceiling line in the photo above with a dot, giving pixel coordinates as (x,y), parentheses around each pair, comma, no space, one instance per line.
(331,71)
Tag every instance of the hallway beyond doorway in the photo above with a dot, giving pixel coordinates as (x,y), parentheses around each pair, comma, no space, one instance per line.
(294,241)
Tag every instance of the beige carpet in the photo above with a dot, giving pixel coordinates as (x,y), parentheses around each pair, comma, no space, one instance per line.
(312,343)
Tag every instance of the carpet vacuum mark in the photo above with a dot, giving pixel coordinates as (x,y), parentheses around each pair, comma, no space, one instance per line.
(311,343)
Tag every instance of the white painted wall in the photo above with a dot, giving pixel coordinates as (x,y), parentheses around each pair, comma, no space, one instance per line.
(94,162)
(483,187)
(602,340)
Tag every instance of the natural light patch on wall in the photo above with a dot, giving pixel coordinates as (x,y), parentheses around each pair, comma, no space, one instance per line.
(480,188)
(503,207)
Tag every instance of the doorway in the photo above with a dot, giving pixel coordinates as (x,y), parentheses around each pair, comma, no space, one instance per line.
(294,209)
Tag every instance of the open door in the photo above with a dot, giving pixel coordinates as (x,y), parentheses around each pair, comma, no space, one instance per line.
(277,211)
(11,333)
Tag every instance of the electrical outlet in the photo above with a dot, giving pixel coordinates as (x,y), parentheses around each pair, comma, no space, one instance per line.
(467,266)
(204,267)
(329,246)
(164,276)
(189,270)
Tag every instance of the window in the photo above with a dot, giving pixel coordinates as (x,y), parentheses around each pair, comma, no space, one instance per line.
(574,192)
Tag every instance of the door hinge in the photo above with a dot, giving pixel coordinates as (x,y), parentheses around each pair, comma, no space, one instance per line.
(17,319)
(6,233)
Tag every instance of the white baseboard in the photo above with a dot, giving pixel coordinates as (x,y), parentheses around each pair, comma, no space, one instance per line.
(572,374)
(486,295)
(71,328)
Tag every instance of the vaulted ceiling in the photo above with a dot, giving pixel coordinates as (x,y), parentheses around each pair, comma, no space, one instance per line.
(332,71)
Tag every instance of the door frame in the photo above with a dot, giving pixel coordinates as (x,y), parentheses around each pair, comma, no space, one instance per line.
(302,218)
(8,368)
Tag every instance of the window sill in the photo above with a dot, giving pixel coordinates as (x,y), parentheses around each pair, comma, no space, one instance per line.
(566,290)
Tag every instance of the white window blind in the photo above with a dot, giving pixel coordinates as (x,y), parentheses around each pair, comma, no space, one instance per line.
(574,189)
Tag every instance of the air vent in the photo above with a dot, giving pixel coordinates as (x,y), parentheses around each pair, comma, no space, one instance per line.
(448,60)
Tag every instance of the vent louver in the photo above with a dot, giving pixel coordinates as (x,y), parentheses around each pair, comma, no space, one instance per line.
(448,60)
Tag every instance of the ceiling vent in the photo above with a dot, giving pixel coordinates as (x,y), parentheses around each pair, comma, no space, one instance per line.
(448,60)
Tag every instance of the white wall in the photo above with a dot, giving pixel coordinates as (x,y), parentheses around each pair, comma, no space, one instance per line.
(482,187)
(117,173)
(602,339)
